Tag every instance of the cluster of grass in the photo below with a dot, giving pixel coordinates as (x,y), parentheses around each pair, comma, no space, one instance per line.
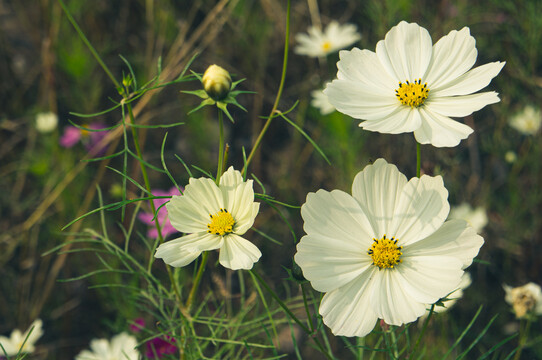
(97,276)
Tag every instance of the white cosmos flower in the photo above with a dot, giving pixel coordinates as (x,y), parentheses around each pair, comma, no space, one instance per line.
(526,299)
(477,218)
(383,252)
(14,343)
(410,85)
(527,121)
(321,102)
(215,217)
(121,347)
(334,38)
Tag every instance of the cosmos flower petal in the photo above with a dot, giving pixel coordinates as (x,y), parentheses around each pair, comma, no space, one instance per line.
(346,311)
(420,210)
(190,213)
(445,68)
(317,254)
(238,253)
(338,216)
(364,68)
(182,251)
(241,207)
(231,178)
(427,278)
(455,238)
(460,106)
(353,99)
(377,188)
(439,130)
(390,301)
(121,346)
(406,51)
(470,82)
(403,119)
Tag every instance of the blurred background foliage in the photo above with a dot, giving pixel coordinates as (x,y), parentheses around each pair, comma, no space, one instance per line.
(46,67)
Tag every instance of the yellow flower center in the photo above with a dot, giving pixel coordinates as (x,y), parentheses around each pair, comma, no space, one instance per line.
(385,252)
(326,45)
(412,95)
(221,223)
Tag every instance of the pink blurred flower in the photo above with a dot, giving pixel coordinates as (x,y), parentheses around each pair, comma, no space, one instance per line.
(160,346)
(163,220)
(72,135)
(138,325)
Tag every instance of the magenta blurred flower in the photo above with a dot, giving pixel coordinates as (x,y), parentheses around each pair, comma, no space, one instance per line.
(160,346)
(165,225)
(72,135)
(138,325)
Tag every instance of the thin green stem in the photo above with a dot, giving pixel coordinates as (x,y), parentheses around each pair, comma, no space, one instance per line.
(418,159)
(220,147)
(524,334)
(309,316)
(197,280)
(290,314)
(88,44)
(424,328)
(279,93)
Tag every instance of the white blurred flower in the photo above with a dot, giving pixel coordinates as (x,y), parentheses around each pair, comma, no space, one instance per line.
(121,347)
(383,252)
(477,218)
(410,85)
(215,217)
(527,121)
(14,343)
(334,38)
(510,157)
(46,122)
(524,299)
(321,102)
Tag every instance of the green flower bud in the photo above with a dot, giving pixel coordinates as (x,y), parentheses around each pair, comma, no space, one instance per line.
(216,82)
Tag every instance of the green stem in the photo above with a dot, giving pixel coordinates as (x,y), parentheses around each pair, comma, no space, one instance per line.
(424,328)
(279,93)
(88,44)
(197,280)
(290,314)
(418,159)
(220,148)
(524,333)
(309,316)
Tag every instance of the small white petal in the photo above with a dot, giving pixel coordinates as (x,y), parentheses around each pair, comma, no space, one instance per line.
(445,67)
(238,253)
(403,119)
(439,130)
(346,311)
(377,188)
(470,82)
(460,106)
(406,51)
(420,210)
(182,251)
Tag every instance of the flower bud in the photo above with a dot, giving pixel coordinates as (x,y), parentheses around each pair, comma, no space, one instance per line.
(216,82)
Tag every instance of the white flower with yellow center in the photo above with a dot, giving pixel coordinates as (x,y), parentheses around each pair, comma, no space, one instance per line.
(528,121)
(383,252)
(121,347)
(332,39)
(14,344)
(215,217)
(410,85)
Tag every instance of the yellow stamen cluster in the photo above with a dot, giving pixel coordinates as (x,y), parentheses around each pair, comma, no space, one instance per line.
(385,252)
(221,223)
(326,45)
(412,95)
